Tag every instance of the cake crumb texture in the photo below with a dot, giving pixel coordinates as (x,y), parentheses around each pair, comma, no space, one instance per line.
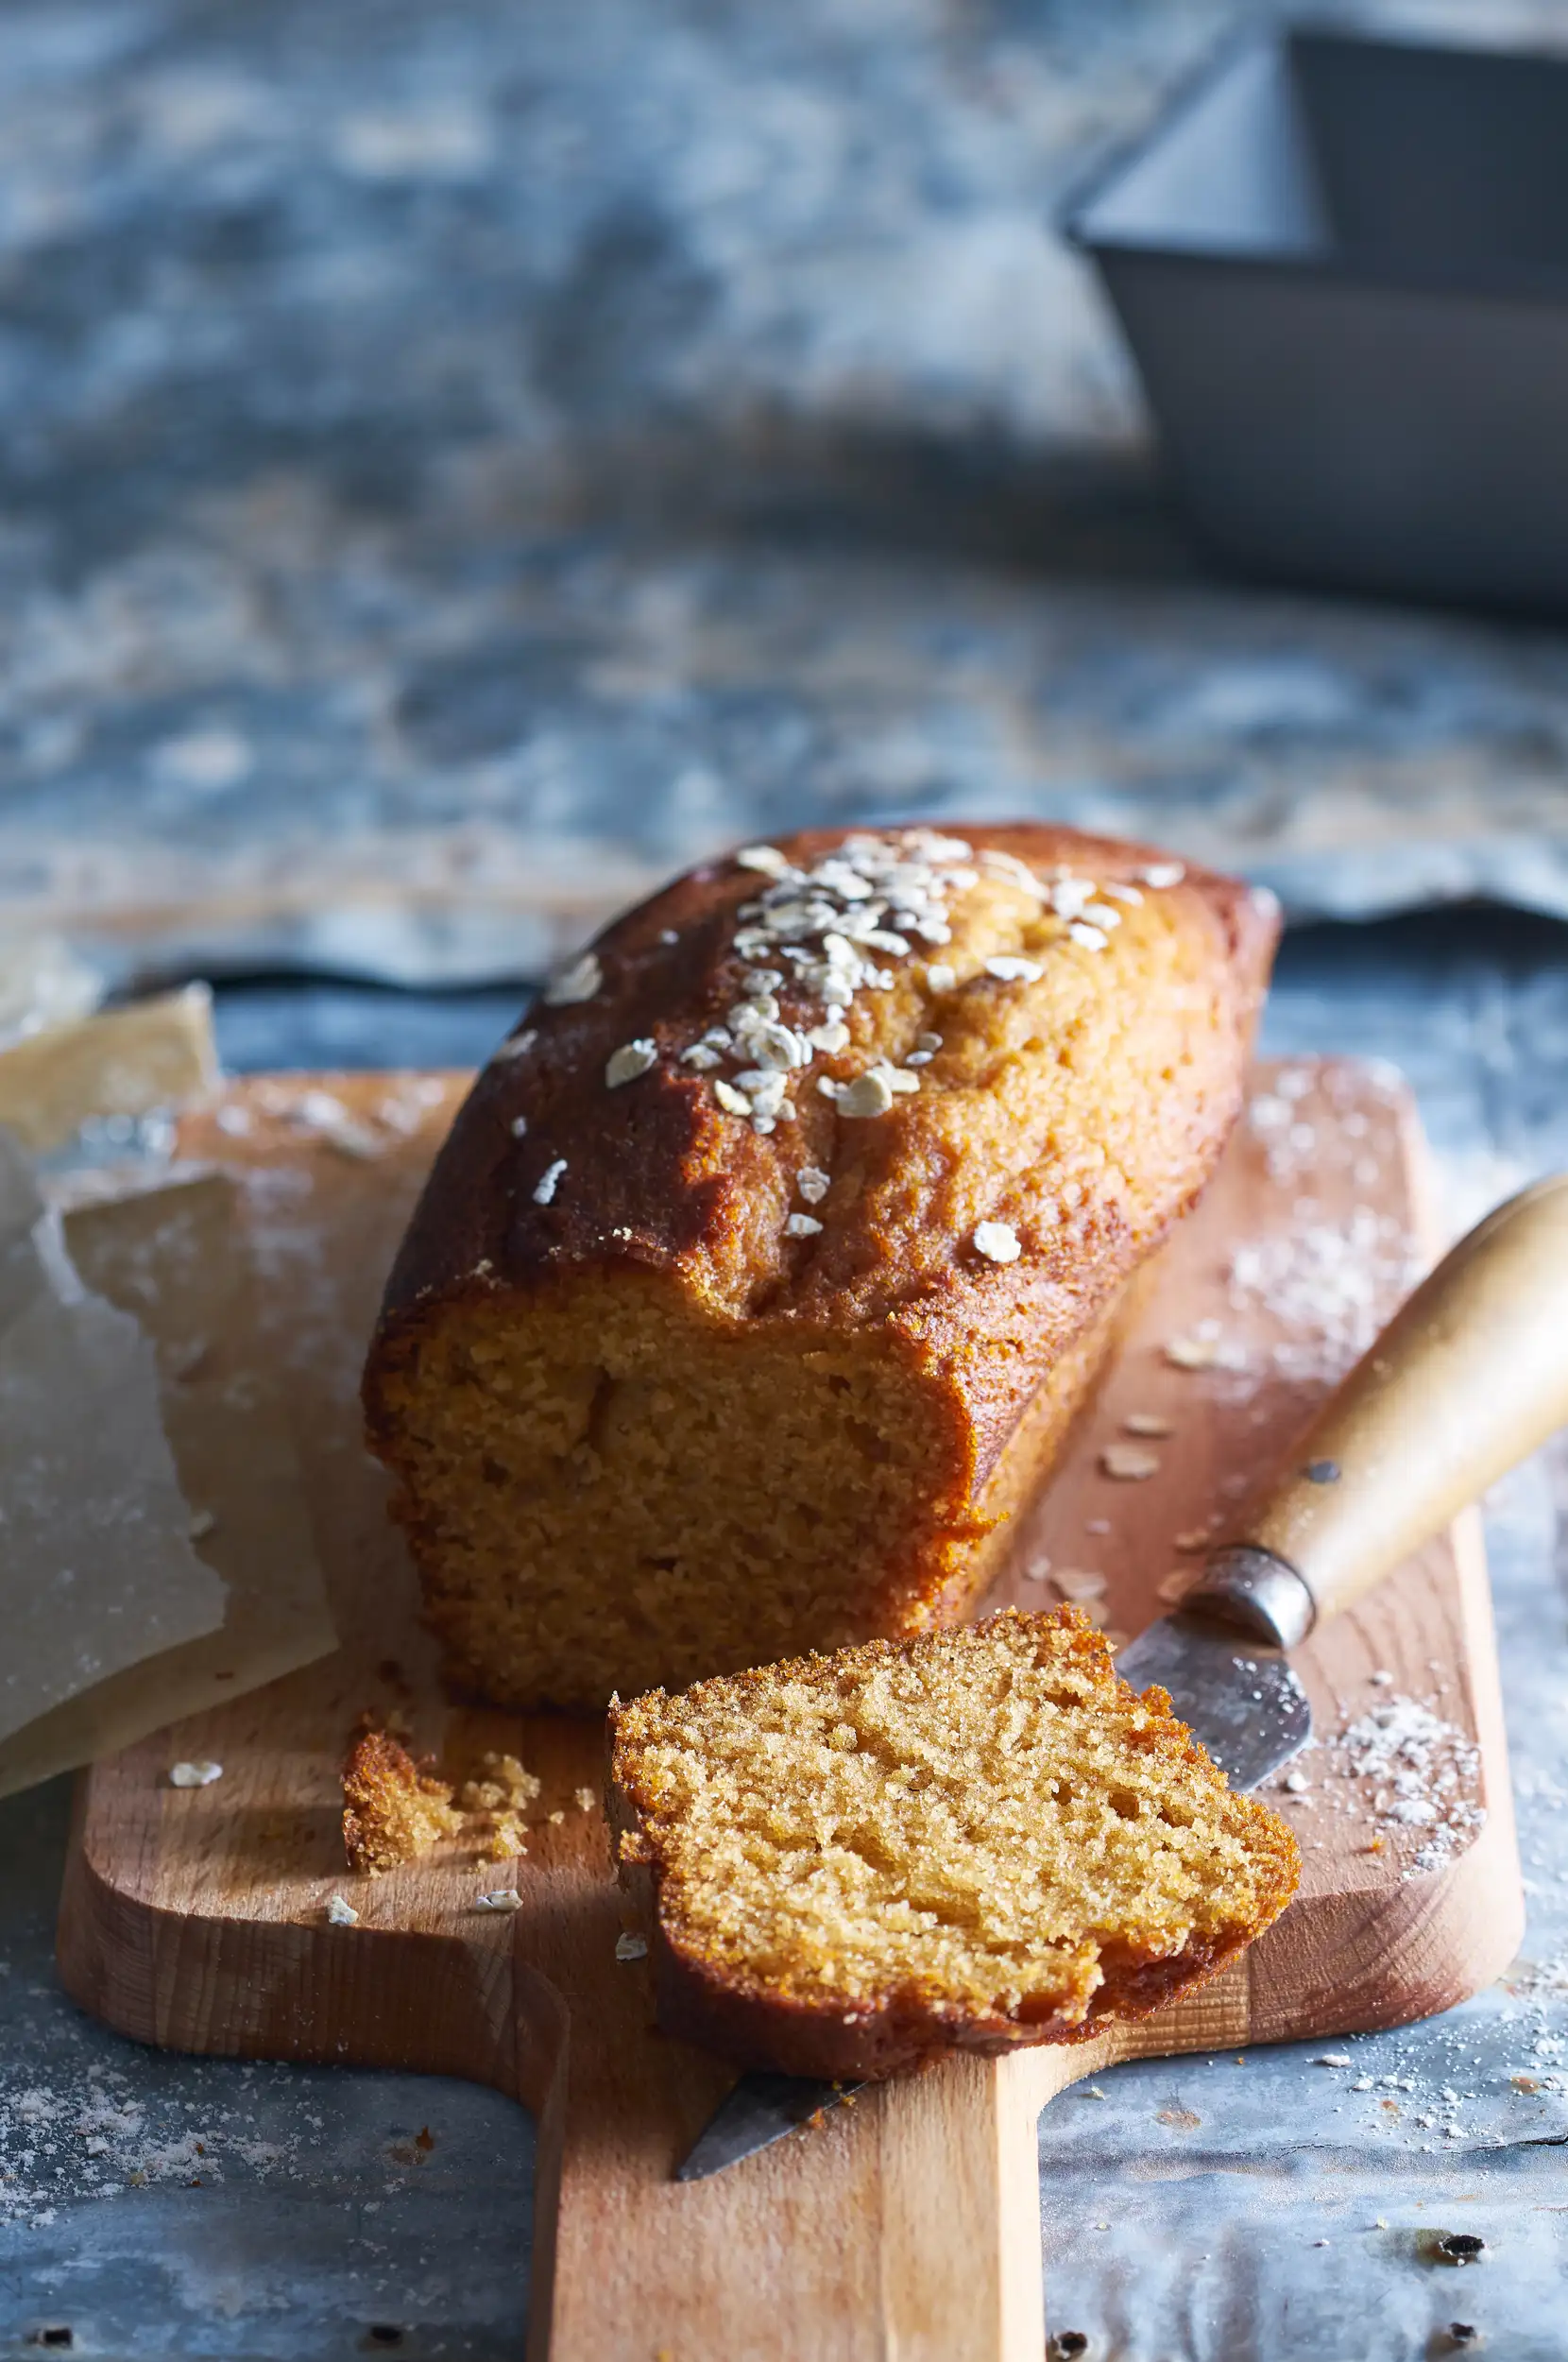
(983,1837)
(394,1810)
(495,1804)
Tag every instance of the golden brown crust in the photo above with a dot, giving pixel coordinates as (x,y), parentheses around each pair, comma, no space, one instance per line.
(755,2021)
(783,2035)
(658,1179)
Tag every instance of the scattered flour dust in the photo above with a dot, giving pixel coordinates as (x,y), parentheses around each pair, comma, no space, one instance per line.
(1328,1281)
(1423,1773)
(95,2134)
(1406,1773)
(1320,1115)
(1330,1286)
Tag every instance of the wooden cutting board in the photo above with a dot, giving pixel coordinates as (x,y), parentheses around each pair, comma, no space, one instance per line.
(904,2224)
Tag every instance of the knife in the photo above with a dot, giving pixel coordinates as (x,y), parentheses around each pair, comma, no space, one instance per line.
(1469,1377)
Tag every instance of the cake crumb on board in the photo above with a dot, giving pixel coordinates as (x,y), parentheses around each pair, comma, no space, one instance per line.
(394,1810)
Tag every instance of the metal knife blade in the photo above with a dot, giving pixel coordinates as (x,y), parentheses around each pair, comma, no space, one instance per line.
(1241,1699)
(760,2111)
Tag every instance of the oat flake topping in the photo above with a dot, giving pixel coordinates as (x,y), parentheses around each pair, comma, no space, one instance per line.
(826,933)
(1131,1462)
(632,1059)
(869,1094)
(998,1242)
(580,982)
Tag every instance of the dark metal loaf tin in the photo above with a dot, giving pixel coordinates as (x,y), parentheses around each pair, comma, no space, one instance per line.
(1342,267)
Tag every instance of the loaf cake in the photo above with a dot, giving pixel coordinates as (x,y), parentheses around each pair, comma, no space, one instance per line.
(767,1261)
(975,1839)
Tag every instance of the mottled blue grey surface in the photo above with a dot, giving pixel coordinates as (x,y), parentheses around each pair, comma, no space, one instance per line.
(318,2216)
(458,463)
(157,2206)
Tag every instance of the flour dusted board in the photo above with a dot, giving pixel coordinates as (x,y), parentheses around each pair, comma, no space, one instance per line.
(906,2224)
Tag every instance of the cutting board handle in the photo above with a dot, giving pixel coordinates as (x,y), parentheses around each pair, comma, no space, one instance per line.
(904,2223)
(1469,1377)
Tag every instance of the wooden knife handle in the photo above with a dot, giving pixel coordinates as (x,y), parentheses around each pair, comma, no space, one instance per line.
(1469,1377)
(906,2223)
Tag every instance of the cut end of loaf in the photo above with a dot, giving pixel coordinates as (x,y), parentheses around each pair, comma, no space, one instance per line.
(620,1490)
(981,1839)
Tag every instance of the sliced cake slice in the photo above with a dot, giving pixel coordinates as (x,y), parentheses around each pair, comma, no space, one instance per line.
(975,1839)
